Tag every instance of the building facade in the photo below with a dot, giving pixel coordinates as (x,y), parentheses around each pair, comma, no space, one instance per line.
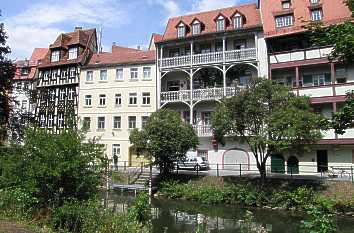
(293,61)
(24,103)
(58,81)
(117,95)
(203,58)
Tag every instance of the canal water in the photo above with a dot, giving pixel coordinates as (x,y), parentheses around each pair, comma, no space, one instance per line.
(172,216)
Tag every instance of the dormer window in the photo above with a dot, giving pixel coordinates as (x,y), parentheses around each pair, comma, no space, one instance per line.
(73,53)
(55,55)
(181,30)
(238,22)
(314,1)
(196,27)
(220,23)
(286,4)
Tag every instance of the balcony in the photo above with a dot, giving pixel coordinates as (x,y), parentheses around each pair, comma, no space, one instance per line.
(300,55)
(210,58)
(197,94)
(203,130)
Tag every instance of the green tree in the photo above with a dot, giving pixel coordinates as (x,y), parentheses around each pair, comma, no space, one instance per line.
(7,71)
(53,168)
(270,119)
(344,118)
(340,35)
(164,139)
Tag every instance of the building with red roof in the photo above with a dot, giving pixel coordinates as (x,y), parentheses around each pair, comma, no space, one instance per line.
(117,94)
(58,80)
(294,61)
(201,58)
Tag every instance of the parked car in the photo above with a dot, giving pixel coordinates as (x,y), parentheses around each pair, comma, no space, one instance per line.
(196,163)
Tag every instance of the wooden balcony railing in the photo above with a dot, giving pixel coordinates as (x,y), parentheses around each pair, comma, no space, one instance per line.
(209,58)
(203,130)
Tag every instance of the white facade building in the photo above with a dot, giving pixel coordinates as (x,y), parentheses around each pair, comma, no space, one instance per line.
(117,94)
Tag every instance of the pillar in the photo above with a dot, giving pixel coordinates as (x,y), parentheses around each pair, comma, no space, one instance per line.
(191,102)
(333,78)
(297,76)
(224,78)
(191,53)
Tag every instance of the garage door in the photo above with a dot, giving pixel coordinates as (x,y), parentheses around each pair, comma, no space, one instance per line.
(233,159)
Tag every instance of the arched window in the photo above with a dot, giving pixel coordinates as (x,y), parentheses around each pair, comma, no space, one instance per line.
(220,23)
(181,30)
(238,21)
(196,27)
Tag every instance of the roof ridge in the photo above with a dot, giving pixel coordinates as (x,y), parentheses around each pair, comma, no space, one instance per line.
(215,10)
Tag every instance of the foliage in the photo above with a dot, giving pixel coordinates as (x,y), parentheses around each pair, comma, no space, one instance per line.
(140,212)
(344,118)
(16,203)
(249,225)
(320,221)
(80,217)
(340,35)
(53,168)
(7,72)
(164,139)
(270,119)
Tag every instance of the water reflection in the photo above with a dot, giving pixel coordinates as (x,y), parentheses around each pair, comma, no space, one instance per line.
(169,216)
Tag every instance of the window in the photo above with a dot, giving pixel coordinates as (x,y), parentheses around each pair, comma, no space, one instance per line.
(144,120)
(181,31)
(117,122)
(42,121)
(196,28)
(147,72)
(61,120)
(133,98)
(316,15)
(55,55)
(119,74)
(54,74)
(133,73)
(88,100)
(52,95)
(103,75)
(62,94)
(72,72)
(24,71)
(286,4)
(50,121)
(26,86)
(71,94)
(146,98)
(101,123)
(132,122)
(220,23)
(102,100)
(238,21)
(116,150)
(284,21)
(314,1)
(118,100)
(24,104)
(89,76)
(19,86)
(207,118)
(73,53)
(203,154)
(316,79)
(46,75)
(86,123)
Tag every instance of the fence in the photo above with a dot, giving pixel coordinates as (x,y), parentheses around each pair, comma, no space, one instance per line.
(339,173)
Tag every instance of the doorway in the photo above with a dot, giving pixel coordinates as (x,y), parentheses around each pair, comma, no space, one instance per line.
(277,164)
(322,161)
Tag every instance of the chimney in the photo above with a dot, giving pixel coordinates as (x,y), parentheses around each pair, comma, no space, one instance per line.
(77,28)
(114,43)
(138,47)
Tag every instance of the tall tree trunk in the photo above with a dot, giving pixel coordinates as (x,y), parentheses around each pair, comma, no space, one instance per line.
(262,172)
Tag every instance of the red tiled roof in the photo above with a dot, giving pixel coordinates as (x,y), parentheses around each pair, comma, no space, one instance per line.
(37,55)
(121,55)
(64,40)
(249,11)
(157,37)
(80,36)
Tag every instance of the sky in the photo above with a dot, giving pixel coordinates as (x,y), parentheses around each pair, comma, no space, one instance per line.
(37,23)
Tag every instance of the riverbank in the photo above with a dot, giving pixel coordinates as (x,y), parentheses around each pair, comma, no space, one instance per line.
(335,198)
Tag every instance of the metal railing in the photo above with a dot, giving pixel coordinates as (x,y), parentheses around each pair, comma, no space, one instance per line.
(214,93)
(203,130)
(209,58)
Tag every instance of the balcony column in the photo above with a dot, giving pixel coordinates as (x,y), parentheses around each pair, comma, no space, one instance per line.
(256,44)
(223,48)
(161,54)
(224,67)
(333,77)
(334,108)
(191,102)
(191,53)
(297,78)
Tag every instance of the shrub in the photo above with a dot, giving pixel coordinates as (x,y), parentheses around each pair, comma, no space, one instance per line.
(16,203)
(320,221)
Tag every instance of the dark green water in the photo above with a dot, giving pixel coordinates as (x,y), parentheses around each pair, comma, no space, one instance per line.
(170,216)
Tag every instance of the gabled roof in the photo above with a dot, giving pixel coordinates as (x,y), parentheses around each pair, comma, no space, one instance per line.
(79,36)
(37,55)
(250,11)
(154,39)
(120,56)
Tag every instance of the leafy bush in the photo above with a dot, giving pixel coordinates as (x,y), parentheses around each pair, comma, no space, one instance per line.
(140,212)
(320,221)
(16,203)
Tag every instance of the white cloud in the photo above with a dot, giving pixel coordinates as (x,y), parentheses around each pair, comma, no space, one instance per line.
(206,5)
(170,7)
(40,24)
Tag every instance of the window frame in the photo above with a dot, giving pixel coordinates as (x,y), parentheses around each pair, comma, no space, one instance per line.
(196,28)
(133,98)
(61,120)
(88,100)
(72,53)
(102,100)
(103,76)
(147,72)
(134,73)
(284,21)
(116,150)
(220,22)
(101,123)
(89,76)
(132,123)
(118,74)
(238,21)
(117,122)
(86,123)
(118,98)
(316,15)
(181,31)
(146,98)
(55,54)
